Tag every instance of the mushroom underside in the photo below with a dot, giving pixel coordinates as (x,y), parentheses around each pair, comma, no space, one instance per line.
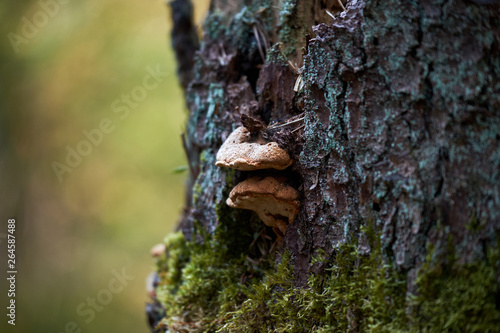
(275,202)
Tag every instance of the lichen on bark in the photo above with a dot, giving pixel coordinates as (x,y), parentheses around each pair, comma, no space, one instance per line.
(397,160)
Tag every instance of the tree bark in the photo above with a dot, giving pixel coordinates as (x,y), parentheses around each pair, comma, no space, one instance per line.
(396,149)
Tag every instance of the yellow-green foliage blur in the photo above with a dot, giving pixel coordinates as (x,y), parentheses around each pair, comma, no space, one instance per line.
(89,139)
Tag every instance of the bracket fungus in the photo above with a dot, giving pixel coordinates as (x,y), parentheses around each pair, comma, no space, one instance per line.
(243,152)
(274,201)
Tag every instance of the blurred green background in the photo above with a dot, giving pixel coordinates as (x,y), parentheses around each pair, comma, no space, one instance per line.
(60,77)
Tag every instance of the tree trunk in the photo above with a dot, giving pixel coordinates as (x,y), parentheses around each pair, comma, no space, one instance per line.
(390,111)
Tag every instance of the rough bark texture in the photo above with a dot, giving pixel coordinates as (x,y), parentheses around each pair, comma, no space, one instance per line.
(185,41)
(400,134)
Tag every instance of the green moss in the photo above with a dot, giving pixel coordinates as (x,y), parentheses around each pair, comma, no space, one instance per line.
(457,298)
(188,298)
(202,282)
(230,173)
(197,189)
(356,293)
(204,156)
(176,256)
(365,294)
(214,286)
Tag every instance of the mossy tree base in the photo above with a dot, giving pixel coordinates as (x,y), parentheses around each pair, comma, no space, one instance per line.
(206,288)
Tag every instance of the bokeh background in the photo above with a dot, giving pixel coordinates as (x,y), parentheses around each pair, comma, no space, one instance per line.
(59,80)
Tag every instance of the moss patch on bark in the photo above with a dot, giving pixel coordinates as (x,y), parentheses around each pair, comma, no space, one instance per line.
(213,287)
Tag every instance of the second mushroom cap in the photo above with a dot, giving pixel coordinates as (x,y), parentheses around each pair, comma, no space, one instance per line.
(274,201)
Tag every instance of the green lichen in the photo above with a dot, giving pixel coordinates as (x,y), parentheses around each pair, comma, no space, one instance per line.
(290,30)
(204,156)
(197,190)
(276,56)
(215,23)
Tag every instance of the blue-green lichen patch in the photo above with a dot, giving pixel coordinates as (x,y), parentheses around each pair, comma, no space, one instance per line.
(291,31)
(414,95)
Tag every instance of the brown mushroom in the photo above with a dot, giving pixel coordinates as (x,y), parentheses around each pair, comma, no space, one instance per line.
(240,151)
(274,201)
(158,250)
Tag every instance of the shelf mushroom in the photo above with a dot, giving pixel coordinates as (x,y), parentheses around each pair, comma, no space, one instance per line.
(274,201)
(240,151)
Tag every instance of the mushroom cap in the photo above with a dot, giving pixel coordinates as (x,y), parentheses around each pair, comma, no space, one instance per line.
(274,201)
(239,152)
(158,250)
